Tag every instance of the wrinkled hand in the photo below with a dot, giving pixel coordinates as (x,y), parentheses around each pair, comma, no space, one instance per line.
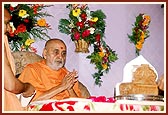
(161,83)
(28,90)
(69,79)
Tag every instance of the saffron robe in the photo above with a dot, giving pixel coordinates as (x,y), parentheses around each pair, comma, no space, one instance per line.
(11,102)
(44,78)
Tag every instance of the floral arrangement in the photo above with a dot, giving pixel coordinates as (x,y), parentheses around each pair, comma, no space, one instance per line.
(89,26)
(27,25)
(140,31)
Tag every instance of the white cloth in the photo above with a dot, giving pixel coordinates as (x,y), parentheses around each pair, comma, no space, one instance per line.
(25,101)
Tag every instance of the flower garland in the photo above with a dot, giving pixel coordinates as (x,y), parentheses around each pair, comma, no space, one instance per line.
(140,32)
(89,26)
(27,24)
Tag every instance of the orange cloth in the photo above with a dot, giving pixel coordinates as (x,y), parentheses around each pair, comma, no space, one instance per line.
(43,78)
(11,102)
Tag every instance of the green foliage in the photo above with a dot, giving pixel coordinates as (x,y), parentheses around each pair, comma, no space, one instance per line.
(63,26)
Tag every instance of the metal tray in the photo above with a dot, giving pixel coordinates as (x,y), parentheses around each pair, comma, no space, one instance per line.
(140,97)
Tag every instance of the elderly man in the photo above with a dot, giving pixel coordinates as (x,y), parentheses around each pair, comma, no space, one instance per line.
(49,76)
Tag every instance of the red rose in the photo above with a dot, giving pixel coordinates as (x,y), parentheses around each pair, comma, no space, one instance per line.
(86,33)
(76,35)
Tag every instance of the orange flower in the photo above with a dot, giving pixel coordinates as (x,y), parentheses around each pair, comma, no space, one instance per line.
(41,22)
(146,20)
(139,45)
(146,17)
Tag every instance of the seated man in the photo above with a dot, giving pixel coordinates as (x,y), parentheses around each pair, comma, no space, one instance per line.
(49,76)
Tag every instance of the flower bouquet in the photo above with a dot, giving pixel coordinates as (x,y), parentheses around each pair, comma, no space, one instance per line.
(140,31)
(83,25)
(27,24)
(86,28)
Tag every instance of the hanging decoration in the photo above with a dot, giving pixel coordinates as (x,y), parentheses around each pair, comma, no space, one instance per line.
(140,32)
(86,28)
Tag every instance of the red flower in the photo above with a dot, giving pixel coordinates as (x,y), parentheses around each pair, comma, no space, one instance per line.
(80,24)
(21,28)
(111,100)
(105,59)
(101,99)
(97,37)
(26,20)
(91,23)
(35,7)
(83,16)
(12,34)
(86,33)
(76,35)
(11,8)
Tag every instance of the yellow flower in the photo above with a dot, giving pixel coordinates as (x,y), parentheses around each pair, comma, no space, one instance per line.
(139,45)
(104,66)
(101,53)
(22,13)
(29,42)
(94,19)
(76,12)
(41,22)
